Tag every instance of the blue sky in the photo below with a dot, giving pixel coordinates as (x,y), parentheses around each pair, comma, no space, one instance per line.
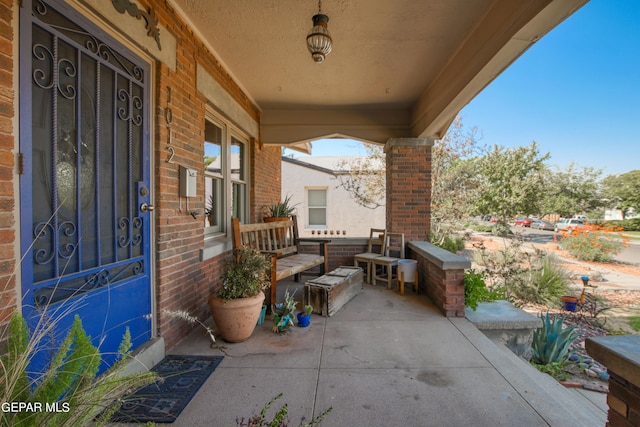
(576,92)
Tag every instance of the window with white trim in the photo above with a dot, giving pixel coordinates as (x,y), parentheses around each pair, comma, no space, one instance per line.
(317,205)
(225,175)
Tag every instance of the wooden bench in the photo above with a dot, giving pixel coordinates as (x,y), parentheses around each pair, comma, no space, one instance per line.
(280,240)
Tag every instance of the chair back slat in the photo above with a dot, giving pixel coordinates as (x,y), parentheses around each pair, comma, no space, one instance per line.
(394,246)
(377,240)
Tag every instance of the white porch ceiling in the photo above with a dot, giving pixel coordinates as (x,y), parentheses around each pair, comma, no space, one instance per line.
(399,68)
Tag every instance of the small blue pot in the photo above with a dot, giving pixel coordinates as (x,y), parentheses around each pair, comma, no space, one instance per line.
(303,320)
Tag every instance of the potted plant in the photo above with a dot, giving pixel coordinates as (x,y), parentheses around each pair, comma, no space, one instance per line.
(283,312)
(237,304)
(569,302)
(304,317)
(278,211)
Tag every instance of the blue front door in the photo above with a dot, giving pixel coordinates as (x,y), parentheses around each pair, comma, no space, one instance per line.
(85,229)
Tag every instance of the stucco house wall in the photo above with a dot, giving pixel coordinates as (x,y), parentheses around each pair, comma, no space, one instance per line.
(345,218)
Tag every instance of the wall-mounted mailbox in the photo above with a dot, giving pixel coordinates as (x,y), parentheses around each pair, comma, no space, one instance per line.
(187,182)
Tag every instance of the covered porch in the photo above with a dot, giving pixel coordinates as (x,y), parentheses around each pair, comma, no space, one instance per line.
(382,360)
(182,77)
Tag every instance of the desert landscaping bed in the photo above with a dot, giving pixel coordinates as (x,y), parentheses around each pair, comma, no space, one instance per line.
(622,304)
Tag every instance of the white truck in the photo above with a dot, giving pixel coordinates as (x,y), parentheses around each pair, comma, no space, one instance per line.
(568,224)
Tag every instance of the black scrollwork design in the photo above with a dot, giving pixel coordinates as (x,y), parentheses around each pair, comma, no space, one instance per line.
(133,104)
(123,112)
(43,231)
(40,78)
(123,239)
(136,102)
(40,8)
(137,236)
(98,280)
(82,285)
(150,18)
(67,229)
(64,66)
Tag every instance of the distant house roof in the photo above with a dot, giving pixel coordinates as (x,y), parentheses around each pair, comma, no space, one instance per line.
(328,164)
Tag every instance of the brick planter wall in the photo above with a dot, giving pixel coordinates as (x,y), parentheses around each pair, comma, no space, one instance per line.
(441,277)
(621,356)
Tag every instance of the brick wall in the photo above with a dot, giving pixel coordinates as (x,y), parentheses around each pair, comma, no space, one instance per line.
(408,203)
(621,355)
(8,172)
(443,282)
(266,168)
(183,281)
(624,402)
(444,288)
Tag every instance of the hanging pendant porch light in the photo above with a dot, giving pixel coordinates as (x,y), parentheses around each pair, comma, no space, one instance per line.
(319,39)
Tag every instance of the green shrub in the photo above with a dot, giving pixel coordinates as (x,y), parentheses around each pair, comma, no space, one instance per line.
(543,283)
(476,290)
(450,244)
(627,224)
(551,342)
(501,229)
(245,276)
(555,370)
(591,246)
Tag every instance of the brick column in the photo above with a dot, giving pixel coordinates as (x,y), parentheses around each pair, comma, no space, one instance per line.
(408,202)
(621,355)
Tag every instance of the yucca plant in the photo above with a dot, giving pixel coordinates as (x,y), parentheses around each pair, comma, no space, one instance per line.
(551,342)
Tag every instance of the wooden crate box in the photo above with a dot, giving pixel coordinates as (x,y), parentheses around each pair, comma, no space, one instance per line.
(328,293)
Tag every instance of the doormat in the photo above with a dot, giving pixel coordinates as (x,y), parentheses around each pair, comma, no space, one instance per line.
(162,402)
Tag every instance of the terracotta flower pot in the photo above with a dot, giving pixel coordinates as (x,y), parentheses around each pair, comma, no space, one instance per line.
(569,302)
(236,319)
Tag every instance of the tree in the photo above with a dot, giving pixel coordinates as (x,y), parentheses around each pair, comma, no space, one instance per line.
(571,191)
(511,181)
(454,168)
(365,177)
(453,178)
(623,190)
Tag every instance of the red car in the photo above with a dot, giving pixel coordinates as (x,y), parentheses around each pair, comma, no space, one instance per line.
(524,222)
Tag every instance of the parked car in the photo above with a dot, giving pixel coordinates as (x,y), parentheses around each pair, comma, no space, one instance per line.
(542,225)
(490,218)
(568,224)
(524,222)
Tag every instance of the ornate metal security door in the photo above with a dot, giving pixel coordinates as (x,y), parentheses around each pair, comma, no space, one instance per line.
(85,185)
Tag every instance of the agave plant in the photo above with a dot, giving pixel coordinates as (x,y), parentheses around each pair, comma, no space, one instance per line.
(551,342)
(282,209)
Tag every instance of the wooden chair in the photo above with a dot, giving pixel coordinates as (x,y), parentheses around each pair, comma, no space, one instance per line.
(394,250)
(375,248)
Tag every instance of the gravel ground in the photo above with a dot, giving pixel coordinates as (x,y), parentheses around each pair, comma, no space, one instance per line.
(621,304)
(583,370)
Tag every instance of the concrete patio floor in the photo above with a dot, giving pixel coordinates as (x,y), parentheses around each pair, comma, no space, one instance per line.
(382,360)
